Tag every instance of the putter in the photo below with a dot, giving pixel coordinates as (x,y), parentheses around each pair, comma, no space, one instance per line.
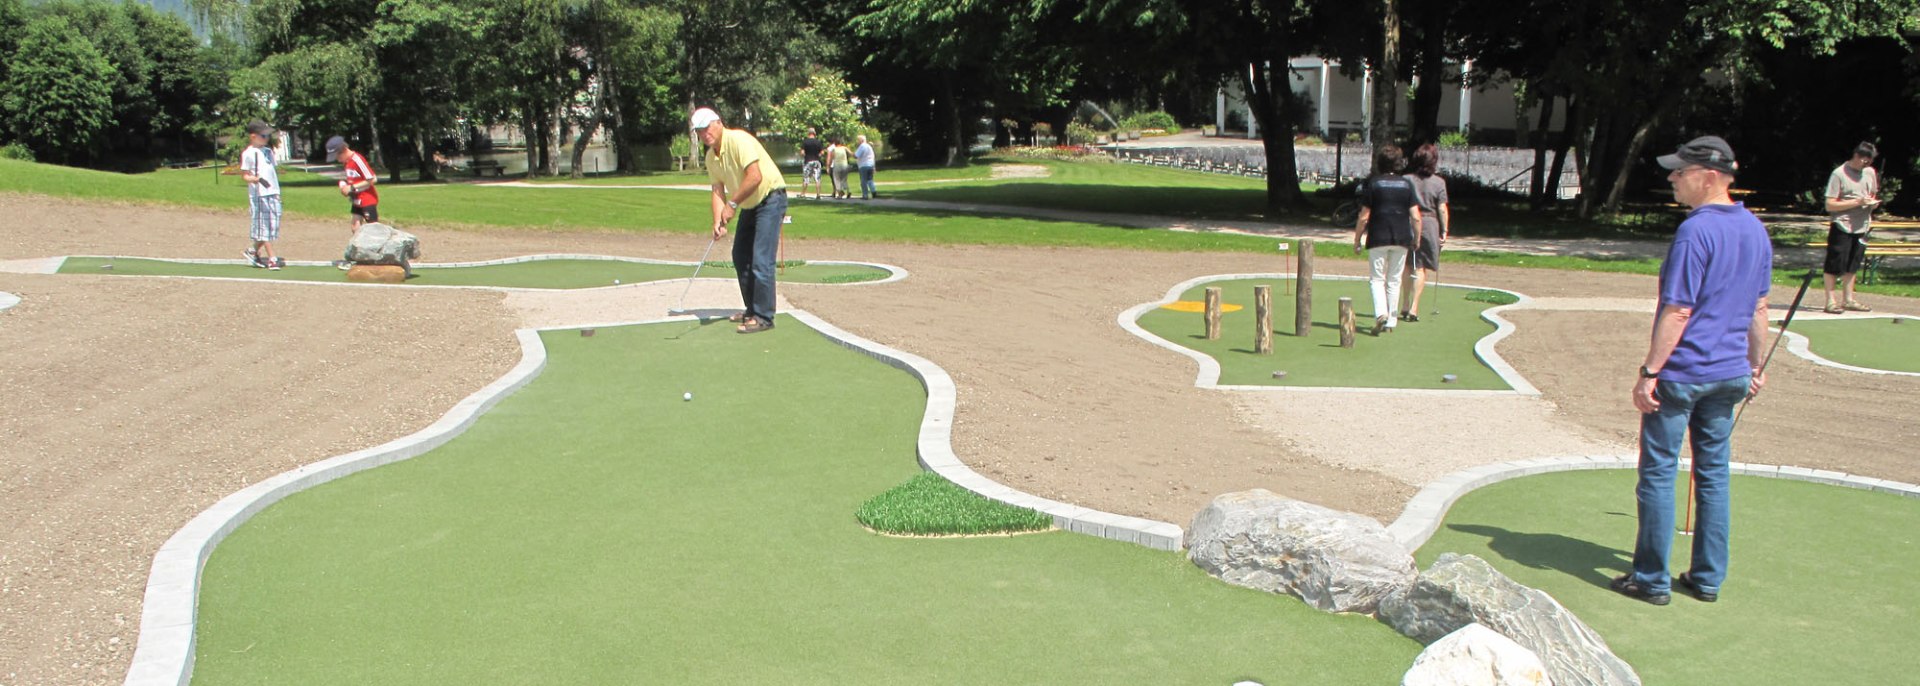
(680,307)
(1805,281)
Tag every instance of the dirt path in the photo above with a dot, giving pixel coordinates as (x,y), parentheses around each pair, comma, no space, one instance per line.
(127,405)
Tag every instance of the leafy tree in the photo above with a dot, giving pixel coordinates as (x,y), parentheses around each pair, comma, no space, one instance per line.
(825,104)
(58,95)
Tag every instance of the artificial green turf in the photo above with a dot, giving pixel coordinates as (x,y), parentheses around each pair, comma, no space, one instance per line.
(1415,355)
(1819,590)
(1874,343)
(535,274)
(928,505)
(594,528)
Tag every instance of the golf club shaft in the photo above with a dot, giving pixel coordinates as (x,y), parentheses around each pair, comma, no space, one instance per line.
(678,307)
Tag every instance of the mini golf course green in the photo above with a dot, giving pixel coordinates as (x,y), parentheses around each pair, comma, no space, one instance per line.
(1416,355)
(1871,342)
(595,528)
(1820,588)
(556,273)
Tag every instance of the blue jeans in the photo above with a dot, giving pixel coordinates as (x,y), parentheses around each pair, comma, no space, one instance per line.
(756,247)
(866,183)
(1703,413)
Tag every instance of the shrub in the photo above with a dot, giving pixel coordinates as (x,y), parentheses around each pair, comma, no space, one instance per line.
(928,505)
(1079,134)
(16,151)
(1151,120)
(1453,139)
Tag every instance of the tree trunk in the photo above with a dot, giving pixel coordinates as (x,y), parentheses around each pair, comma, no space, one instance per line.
(1634,145)
(379,156)
(529,126)
(1574,121)
(1269,95)
(554,133)
(426,156)
(1431,75)
(948,114)
(1386,75)
(1537,183)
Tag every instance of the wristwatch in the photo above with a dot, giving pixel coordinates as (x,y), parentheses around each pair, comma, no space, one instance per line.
(733,205)
(1646,373)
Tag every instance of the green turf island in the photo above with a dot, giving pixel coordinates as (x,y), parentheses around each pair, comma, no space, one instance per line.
(595,528)
(1417,355)
(1820,588)
(557,273)
(1889,343)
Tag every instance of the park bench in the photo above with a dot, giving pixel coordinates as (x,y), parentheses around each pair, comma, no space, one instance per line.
(481,167)
(1876,255)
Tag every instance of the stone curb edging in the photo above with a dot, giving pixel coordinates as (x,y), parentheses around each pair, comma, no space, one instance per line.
(8,300)
(1209,375)
(894,273)
(164,650)
(936,451)
(1423,514)
(1801,347)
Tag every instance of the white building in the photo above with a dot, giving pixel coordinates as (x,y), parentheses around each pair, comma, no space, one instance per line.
(1343,103)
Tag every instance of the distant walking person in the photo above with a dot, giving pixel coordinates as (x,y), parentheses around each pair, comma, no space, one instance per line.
(1389,213)
(363,201)
(863,155)
(263,196)
(810,162)
(1435,223)
(1853,193)
(839,162)
(746,184)
(1704,359)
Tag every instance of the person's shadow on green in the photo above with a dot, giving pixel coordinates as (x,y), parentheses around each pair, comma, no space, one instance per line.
(1584,560)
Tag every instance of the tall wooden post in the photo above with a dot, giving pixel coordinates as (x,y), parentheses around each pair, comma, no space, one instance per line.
(1303,296)
(1346,322)
(1263,316)
(1213,313)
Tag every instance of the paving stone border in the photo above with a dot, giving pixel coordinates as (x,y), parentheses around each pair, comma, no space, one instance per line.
(1209,374)
(893,273)
(1800,346)
(8,300)
(1424,513)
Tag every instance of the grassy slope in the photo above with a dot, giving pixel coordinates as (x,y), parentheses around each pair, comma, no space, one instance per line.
(540,274)
(1821,581)
(595,528)
(1871,343)
(1414,356)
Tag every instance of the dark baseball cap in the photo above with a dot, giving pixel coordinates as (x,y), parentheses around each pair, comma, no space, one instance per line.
(334,146)
(1711,152)
(259,128)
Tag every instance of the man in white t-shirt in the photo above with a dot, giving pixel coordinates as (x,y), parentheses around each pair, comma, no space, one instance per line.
(863,156)
(263,195)
(1853,193)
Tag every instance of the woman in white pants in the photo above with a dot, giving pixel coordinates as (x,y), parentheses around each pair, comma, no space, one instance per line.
(1389,217)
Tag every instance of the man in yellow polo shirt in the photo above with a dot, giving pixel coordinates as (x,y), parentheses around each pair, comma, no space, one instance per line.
(746,184)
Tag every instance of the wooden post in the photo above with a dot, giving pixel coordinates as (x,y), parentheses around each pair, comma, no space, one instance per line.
(1303,295)
(1213,313)
(1346,322)
(1263,316)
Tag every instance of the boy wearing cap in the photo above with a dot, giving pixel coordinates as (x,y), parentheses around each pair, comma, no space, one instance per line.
(748,185)
(1704,359)
(1853,192)
(263,196)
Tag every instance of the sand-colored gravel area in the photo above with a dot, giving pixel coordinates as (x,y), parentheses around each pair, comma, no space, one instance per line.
(127,404)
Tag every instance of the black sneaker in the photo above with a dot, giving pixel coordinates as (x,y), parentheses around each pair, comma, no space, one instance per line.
(1684,582)
(1626,586)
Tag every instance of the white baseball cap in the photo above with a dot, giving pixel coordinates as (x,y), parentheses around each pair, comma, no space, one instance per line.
(704,117)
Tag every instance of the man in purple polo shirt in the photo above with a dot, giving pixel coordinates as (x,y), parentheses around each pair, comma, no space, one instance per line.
(1704,359)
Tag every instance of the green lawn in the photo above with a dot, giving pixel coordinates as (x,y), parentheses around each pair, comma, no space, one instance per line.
(536,274)
(594,528)
(1120,188)
(1874,343)
(914,174)
(1821,583)
(1413,356)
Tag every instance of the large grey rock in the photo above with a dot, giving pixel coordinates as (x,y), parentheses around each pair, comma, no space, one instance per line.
(1474,655)
(1462,589)
(378,243)
(1335,561)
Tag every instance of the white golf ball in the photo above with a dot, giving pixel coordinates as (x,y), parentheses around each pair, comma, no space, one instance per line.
(687,396)
(616,282)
